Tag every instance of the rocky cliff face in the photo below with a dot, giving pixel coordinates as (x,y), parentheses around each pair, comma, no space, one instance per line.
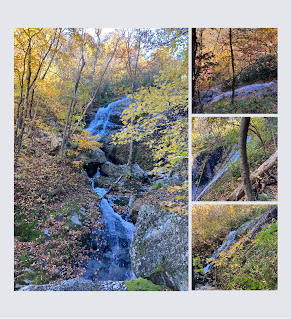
(159,249)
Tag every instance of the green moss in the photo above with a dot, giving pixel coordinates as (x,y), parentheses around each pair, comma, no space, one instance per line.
(158,185)
(26,231)
(141,284)
(253,267)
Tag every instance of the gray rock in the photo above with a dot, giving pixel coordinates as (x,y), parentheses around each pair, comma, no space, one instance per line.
(131,200)
(47,234)
(137,172)
(29,270)
(159,249)
(98,156)
(56,142)
(174,180)
(75,220)
(78,284)
(111,169)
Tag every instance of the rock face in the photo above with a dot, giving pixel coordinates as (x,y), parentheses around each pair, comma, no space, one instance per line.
(78,284)
(159,249)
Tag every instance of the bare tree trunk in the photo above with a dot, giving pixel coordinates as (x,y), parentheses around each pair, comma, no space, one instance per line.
(195,73)
(232,66)
(97,32)
(133,76)
(30,83)
(73,101)
(244,164)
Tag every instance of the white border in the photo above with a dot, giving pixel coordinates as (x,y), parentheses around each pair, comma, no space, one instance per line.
(150,13)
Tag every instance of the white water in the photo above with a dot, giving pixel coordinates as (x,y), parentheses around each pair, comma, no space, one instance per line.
(232,158)
(111,261)
(227,243)
(245,90)
(101,125)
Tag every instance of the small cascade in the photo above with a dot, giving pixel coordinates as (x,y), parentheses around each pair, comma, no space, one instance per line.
(101,124)
(97,175)
(227,243)
(231,158)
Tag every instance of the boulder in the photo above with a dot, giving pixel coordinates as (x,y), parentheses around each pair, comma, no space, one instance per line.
(111,169)
(98,156)
(137,172)
(159,249)
(174,180)
(56,143)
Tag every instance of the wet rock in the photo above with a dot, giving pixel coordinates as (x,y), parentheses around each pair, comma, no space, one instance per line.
(78,284)
(159,249)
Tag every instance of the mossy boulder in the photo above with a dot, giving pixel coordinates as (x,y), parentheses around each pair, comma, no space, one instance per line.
(159,249)
(141,284)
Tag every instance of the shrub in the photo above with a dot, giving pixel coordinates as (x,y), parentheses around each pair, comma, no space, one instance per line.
(264,69)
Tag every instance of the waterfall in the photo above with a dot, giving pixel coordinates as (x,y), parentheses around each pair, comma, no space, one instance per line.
(101,125)
(110,259)
(227,243)
(231,158)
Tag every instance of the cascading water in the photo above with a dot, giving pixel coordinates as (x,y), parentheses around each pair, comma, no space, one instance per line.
(227,243)
(110,259)
(101,124)
(232,158)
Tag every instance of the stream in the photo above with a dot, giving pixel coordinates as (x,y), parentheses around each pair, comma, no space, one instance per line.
(110,258)
(226,245)
(232,157)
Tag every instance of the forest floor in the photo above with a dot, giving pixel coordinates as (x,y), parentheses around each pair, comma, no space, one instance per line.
(56,209)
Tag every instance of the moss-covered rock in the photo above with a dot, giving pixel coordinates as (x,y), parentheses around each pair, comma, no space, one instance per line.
(141,284)
(159,249)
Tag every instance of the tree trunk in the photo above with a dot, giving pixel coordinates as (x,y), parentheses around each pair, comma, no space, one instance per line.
(73,101)
(194,71)
(268,164)
(232,66)
(244,164)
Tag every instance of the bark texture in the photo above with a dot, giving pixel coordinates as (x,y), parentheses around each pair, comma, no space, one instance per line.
(244,164)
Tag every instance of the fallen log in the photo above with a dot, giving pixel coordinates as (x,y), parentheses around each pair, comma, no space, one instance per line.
(119,178)
(269,163)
